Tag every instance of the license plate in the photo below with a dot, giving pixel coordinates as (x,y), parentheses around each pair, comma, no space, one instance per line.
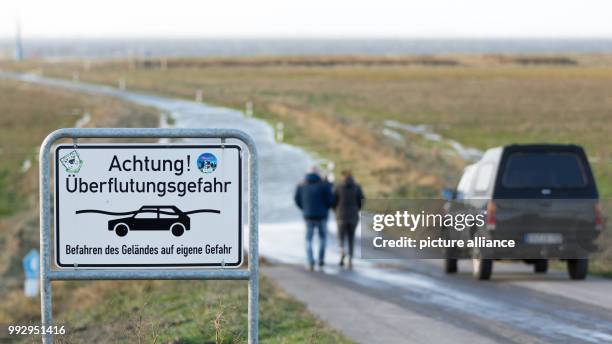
(543,238)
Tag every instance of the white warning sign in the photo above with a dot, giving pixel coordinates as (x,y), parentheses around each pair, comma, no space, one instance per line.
(146,206)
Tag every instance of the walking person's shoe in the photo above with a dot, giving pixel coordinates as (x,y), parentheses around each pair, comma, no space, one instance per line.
(311,267)
(350,263)
(321,265)
(342,259)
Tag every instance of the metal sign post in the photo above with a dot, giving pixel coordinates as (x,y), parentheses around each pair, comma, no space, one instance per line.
(47,274)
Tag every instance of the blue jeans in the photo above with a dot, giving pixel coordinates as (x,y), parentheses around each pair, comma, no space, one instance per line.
(321,225)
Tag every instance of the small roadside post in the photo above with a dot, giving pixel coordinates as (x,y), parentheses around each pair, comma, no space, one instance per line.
(160,211)
(280,132)
(31,270)
(121,84)
(249,109)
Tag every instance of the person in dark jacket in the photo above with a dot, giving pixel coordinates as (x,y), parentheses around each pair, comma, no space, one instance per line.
(314,197)
(348,201)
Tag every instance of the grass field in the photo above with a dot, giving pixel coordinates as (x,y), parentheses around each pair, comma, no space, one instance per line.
(111,311)
(330,109)
(20,138)
(338,107)
(169,312)
(27,114)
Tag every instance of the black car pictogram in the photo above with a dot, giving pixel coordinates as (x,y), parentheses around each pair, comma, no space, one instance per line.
(152,218)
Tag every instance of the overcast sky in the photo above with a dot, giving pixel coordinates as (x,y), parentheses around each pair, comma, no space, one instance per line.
(315,18)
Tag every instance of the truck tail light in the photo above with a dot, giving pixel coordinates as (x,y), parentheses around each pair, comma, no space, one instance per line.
(599,221)
(491,220)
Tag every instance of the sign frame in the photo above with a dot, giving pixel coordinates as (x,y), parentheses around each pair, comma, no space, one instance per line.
(47,274)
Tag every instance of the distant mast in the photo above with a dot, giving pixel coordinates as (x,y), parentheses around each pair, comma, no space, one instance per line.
(18,45)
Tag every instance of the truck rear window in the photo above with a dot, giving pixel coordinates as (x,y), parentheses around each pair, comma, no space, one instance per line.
(544,170)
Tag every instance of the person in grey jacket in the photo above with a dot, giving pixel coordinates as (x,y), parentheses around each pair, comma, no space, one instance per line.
(348,201)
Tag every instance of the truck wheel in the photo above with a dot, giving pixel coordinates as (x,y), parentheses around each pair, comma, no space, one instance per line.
(540,266)
(121,229)
(177,229)
(577,268)
(450,265)
(482,268)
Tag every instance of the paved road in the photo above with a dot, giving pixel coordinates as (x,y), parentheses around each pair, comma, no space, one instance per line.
(517,306)
(393,301)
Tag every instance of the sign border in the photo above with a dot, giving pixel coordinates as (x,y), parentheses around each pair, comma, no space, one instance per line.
(158,146)
(48,274)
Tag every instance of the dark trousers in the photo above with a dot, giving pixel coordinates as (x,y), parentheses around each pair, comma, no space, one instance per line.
(321,226)
(346,233)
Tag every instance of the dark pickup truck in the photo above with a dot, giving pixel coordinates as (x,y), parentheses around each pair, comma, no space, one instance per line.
(541,196)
